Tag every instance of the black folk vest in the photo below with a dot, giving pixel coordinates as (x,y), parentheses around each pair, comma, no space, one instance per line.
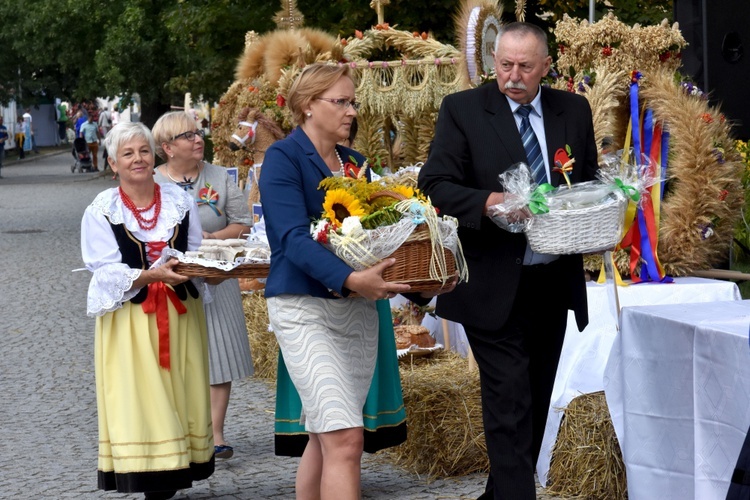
(134,255)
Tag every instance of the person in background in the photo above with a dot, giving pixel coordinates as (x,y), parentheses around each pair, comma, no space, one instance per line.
(514,308)
(62,122)
(30,119)
(80,118)
(328,340)
(90,133)
(3,138)
(224,214)
(150,341)
(105,122)
(20,135)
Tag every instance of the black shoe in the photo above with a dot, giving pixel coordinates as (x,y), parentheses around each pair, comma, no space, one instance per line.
(159,495)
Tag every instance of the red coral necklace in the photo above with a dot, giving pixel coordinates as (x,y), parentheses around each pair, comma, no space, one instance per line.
(144,223)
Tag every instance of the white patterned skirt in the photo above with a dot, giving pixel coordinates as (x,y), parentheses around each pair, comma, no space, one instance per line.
(329,347)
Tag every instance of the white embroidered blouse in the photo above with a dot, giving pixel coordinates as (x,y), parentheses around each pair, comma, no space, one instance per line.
(112,280)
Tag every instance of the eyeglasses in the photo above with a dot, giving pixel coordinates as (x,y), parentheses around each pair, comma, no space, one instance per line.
(190,135)
(342,103)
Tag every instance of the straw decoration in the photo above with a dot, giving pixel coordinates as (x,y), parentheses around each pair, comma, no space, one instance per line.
(263,343)
(587,461)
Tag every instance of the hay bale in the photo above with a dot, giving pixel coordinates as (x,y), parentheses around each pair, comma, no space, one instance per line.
(262,341)
(586,460)
(444,415)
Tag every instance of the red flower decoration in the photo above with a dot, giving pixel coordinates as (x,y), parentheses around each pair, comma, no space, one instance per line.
(358,34)
(344,42)
(322,235)
(351,170)
(707,118)
(723,195)
(280,101)
(664,56)
(561,48)
(607,50)
(561,157)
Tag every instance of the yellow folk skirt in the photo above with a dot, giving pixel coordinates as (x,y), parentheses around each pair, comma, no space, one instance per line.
(154,424)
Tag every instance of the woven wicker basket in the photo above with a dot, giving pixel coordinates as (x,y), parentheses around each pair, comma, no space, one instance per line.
(581,230)
(412,265)
(241,271)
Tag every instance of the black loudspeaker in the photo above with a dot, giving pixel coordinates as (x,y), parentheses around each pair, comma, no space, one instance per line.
(717,58)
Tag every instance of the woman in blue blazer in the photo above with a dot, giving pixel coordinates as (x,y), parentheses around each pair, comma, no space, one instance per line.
(329,343)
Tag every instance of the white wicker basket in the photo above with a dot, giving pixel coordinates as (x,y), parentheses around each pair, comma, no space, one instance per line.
(580,230)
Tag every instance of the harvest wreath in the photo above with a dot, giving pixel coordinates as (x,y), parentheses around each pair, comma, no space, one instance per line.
(365,222)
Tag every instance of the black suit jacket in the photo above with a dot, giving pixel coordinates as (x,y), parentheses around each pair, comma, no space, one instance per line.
(476,139)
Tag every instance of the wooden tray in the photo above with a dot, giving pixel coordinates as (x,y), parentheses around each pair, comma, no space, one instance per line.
(241,271)
(421,352)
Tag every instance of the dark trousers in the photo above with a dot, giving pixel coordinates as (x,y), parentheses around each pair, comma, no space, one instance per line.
(517,366)
(62,131)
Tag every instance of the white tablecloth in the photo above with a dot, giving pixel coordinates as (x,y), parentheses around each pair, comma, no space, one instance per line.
(678,389)
(585,354)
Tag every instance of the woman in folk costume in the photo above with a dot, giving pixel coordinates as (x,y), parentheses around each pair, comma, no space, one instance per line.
(150,345)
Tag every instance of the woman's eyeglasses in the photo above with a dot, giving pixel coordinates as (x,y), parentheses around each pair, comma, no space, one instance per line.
(342,103)
(190,135)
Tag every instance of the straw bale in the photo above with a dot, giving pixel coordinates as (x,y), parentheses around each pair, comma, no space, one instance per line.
(586,460)
(444,415)
(262,341)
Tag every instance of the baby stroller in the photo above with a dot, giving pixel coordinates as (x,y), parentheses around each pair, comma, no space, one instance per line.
(82,156)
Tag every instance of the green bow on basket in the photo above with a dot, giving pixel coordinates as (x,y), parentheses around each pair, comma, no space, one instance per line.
(630,191)
(538,202)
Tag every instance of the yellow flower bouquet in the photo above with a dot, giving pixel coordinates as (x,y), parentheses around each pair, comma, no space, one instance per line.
(365,222)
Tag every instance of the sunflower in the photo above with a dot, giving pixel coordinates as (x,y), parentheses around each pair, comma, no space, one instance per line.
(340,204)
(406,191)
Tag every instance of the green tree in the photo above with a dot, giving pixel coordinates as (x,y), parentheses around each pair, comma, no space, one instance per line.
(160,49)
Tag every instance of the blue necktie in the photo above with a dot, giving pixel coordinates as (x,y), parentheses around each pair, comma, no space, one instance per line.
(531,145)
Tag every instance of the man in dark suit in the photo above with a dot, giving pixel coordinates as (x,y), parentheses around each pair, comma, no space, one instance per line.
(515,305)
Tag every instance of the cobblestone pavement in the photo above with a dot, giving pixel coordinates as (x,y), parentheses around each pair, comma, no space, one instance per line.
(48,435)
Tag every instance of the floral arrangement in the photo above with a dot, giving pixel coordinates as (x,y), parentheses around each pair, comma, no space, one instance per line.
(355,203)
(365,222)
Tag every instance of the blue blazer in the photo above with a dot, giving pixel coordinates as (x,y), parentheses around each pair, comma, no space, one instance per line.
(292,170)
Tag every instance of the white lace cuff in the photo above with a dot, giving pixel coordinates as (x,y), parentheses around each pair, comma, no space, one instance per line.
(110,287)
